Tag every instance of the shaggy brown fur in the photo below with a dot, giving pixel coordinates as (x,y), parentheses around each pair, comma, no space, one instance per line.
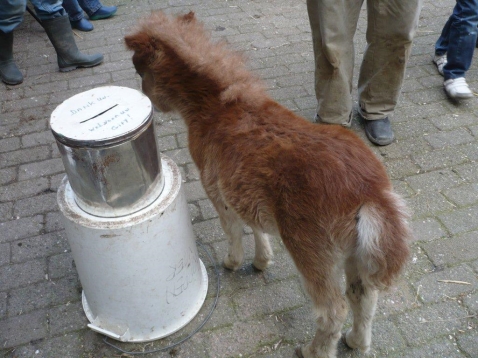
(318,187)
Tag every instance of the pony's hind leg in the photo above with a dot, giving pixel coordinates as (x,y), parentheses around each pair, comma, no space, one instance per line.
(330,308)
(263,251)
(362,298)
(233,227)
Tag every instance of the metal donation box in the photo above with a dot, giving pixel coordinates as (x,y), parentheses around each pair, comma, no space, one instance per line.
(126,217)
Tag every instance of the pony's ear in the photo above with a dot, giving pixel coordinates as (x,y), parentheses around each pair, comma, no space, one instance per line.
(189,17)
(142,44)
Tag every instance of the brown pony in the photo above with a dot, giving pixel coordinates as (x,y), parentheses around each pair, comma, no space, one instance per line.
(318,187)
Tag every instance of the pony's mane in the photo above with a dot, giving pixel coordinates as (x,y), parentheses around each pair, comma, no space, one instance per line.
(192,44)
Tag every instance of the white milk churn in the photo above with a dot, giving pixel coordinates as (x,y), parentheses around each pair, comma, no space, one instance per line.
(126,218)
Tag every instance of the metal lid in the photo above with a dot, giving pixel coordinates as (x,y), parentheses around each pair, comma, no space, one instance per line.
(101,116)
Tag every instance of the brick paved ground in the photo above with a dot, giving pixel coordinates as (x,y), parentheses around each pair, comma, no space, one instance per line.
(433,164)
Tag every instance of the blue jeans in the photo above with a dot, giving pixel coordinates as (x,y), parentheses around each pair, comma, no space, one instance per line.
(75,8)
(458,39)
(11,12)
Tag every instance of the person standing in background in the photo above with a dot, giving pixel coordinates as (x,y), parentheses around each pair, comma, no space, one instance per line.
(55,21)
(455,46)
(390,30)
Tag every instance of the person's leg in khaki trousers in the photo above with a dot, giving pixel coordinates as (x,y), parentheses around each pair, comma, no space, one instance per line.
(390,29)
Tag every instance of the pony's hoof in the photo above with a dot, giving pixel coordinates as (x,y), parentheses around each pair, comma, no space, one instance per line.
(261,265)
(349,343)
(344,340)
(230,264)
(298,352)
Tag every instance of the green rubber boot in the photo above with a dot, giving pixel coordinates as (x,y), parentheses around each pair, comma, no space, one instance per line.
(9,72)
(61,36)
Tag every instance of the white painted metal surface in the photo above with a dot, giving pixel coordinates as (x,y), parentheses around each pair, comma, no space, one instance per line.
(141,275)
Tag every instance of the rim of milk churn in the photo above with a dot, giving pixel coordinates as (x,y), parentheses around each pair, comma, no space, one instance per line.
(108,146)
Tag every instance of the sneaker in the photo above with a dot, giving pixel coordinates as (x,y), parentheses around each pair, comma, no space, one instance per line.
(457,88)
(440,62)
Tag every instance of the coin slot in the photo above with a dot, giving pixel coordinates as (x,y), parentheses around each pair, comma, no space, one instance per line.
(99,114)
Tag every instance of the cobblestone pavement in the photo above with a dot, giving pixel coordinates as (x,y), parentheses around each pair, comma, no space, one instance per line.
(433,164)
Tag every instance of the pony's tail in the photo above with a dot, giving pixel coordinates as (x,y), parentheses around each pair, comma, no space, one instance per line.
(383,239)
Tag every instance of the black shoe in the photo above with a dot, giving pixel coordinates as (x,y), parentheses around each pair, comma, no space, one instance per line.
(379,131)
